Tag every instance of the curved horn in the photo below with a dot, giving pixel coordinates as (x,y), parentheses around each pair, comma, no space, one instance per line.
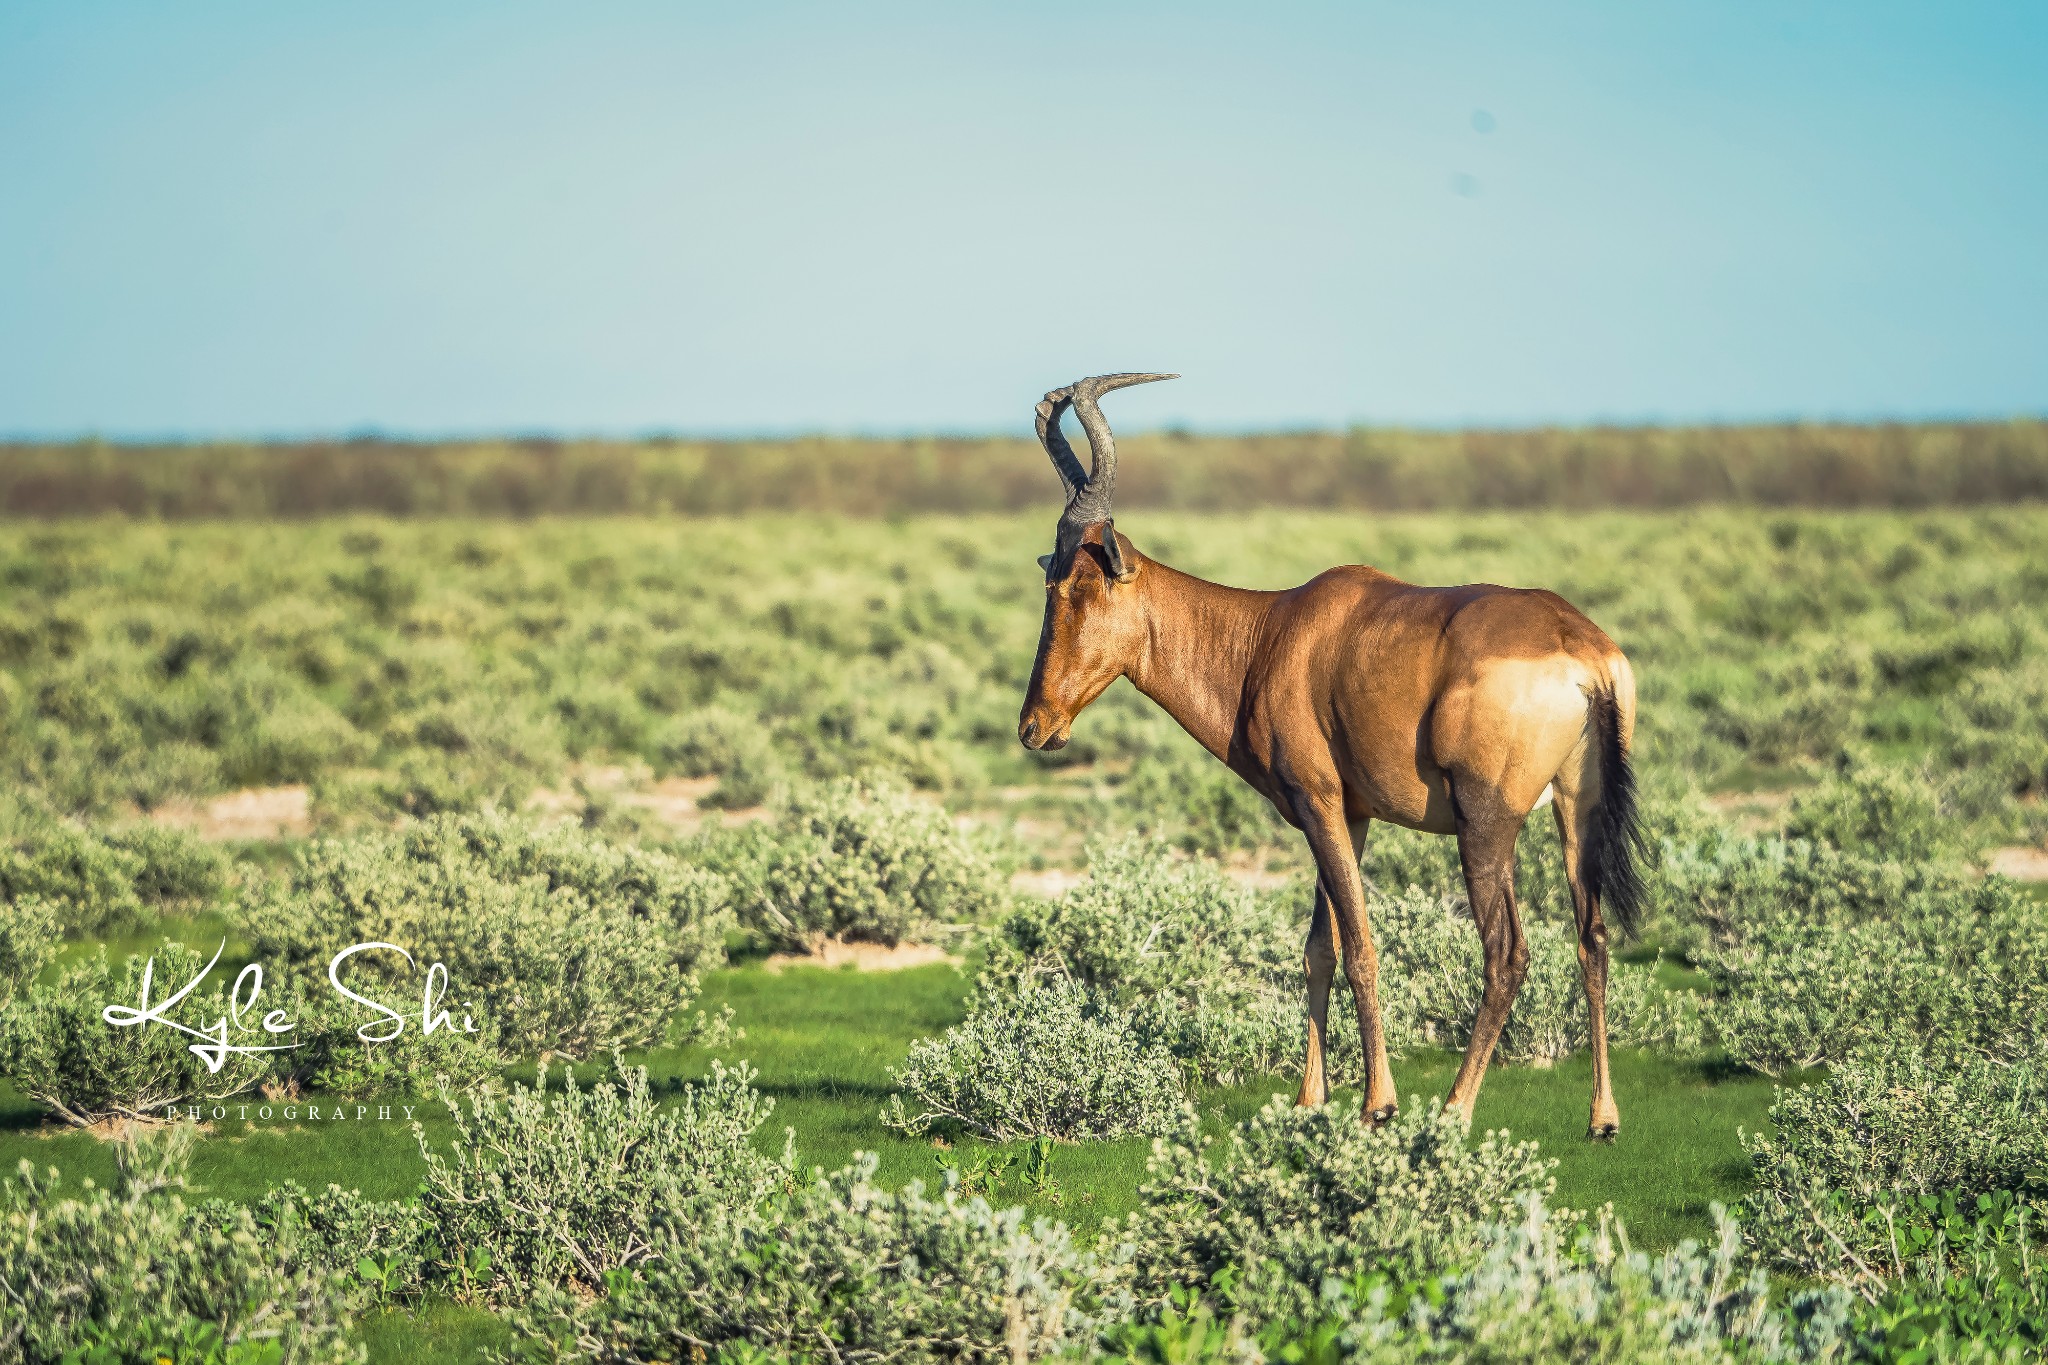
(1089,497)
(1051,408)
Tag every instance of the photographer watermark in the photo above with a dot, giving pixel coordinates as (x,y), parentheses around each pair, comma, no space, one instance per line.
(289,1112)
(214,1049)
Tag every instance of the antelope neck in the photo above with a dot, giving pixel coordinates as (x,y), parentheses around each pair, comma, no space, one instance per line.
(1200,638)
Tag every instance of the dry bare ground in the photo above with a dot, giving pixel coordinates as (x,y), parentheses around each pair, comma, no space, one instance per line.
(252,813)
(866,957)
(673,801)
(1752,812)
(2021,864)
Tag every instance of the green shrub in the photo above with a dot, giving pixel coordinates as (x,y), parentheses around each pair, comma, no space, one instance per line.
(1976,1291)
(1043,1062)
(838,1268)
(333,1057)
(1177,792)
(1990,736)
(385,1248)
(174,868)
(1849,1158)
(857,859)
(110,883)
(1957,971)
(1300,1196)
(716,741)
(569,1187)
(89,881)
(1206,968)
(58,1050)
(144,665)
(690,904)
(1721,888)
(1397,858)
(568,946)
(1876,812)
(1543,1289)
(130,1273)
(29,929)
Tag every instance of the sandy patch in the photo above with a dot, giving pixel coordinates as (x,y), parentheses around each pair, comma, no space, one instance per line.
(1732,801)
(1049,882)
(866,957)
(120,1127)
(2021,864)
(1750,812)
(253,813)
(1251,870)
(551,805)
(673,801)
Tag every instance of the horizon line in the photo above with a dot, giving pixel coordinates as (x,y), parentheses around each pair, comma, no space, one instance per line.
(371,434)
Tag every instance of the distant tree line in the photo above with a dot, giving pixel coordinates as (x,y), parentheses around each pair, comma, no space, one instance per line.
(1898,465)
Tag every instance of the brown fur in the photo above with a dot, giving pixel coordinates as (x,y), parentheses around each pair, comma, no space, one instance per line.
(1358,697)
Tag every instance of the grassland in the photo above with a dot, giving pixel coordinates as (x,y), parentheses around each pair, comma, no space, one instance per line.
(403,667)
(824,1042)
(648,677)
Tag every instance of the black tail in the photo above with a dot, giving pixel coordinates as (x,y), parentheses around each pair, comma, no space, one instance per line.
(1608,861)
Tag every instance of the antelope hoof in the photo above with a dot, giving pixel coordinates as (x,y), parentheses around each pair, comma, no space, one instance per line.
(1604,1132)
(1375,1117)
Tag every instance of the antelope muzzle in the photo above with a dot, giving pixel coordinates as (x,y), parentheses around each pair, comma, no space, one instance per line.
(1040,729)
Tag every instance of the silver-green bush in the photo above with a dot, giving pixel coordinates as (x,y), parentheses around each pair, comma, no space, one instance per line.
(1955,970)
(1432,980)
(1886,1127)
(717,741)
(1045,1061)
(1297,1197)
(1204,966)
(58,1050)
(109,882)
(566,1186)
(568,945)
(29,936)
(1547,1289)
(1717,889)
(856,859)
(1213,970)
(387,1248)
(334,1058)
(1876,812)
(130,1273)
(840,1269)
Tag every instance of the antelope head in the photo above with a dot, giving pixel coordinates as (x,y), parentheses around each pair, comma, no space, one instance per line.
(1093,622)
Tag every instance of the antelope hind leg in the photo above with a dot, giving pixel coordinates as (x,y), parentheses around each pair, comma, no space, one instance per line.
(1319,964)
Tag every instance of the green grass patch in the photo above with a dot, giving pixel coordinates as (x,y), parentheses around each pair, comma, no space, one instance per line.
(824,1041)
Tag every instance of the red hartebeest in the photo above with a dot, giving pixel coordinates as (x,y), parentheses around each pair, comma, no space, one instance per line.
(1357,697)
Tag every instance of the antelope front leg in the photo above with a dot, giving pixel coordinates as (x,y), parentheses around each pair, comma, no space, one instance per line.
(1319,963)
(1329,837)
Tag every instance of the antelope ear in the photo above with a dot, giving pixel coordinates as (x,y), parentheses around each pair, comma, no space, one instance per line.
(1114,553)
(1045,563)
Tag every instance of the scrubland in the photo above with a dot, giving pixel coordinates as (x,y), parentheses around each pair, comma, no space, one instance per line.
(624,776)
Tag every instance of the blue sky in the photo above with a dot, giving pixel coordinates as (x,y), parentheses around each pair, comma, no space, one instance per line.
(243,219)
